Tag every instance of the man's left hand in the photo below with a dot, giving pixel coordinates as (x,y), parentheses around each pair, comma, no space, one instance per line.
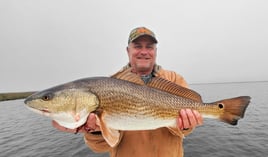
(189,119)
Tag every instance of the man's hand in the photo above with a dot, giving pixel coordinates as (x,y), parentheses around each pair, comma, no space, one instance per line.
(189,119)
(89,126)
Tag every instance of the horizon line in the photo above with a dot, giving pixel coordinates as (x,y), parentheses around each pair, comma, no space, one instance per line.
(228,82)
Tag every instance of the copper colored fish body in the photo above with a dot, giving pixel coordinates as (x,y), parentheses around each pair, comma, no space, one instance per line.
(123,105)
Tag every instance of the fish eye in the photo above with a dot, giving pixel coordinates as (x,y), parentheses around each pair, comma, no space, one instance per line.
(220,106)
(47,97)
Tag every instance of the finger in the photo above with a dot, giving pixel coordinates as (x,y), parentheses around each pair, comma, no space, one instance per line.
(61,128)
(184,119)
(57,126)
(179,122)
(198,117)
(191,118)
(91,121)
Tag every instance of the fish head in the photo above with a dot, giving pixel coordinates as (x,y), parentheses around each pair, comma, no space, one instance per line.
(69,107)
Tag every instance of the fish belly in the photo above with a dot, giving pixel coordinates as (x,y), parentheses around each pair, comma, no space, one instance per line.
(137,123)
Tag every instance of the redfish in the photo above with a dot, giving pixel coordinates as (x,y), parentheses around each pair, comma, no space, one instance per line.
(125,105)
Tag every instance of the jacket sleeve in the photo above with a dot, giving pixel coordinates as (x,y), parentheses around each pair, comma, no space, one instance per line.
(172,76)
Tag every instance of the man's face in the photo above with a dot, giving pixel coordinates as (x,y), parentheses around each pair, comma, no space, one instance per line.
(142,55)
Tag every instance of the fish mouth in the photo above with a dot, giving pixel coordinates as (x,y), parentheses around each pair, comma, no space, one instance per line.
(27,100)
(28,104)
(45,110)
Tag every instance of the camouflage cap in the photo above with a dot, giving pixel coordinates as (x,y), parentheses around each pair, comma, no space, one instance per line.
(141,31)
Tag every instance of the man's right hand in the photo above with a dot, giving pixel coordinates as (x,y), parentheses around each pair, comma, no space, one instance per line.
(90,126)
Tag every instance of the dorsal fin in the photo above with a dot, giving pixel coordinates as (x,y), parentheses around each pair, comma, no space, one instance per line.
(172,88)
(159,83)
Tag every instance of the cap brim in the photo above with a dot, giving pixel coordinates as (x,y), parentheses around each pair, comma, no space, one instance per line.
(152,37)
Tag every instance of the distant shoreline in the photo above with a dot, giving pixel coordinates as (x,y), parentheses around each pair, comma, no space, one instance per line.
(228,82)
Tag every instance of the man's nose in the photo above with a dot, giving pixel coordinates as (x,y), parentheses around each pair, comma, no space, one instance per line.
(144,50)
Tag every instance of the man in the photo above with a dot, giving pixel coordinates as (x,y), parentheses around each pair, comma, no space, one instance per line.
(161,142)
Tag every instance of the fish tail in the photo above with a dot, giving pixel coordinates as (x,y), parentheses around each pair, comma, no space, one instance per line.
(234,109)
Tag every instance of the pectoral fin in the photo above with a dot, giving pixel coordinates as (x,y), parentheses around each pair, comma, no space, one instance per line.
(110,135)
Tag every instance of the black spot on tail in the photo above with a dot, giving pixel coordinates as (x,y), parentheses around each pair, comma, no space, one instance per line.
(234,109)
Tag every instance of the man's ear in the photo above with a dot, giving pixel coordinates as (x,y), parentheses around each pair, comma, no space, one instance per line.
(127,48)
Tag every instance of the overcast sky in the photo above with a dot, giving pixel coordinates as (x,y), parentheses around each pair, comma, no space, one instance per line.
(49,42)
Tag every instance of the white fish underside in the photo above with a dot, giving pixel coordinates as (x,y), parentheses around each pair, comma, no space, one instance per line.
(66,119)
(134,122)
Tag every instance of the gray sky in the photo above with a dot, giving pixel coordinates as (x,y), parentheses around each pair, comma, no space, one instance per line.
(49,42)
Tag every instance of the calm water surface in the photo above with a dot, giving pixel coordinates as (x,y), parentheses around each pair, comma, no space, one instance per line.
(24,133)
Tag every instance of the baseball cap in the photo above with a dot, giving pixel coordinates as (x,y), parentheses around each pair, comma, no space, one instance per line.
(141,31)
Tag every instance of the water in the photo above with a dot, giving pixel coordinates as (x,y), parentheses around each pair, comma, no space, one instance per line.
(24,133)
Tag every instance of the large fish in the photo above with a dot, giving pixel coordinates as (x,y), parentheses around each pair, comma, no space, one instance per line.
(124,105)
